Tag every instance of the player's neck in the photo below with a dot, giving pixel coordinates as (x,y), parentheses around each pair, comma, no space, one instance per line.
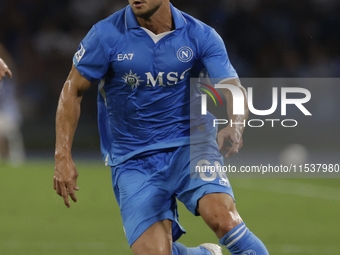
(160,22)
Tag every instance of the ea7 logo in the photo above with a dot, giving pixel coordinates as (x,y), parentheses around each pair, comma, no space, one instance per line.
(121,57)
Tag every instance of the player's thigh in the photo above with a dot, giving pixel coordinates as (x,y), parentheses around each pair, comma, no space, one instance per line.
(200,176)
(144,196)
(218,210)
(207,190)
(140,200)
(157,239)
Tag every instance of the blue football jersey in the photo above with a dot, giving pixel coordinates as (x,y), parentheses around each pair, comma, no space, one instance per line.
(144,93)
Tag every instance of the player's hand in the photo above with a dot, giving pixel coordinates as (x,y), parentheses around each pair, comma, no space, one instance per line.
(65,180)
(231,136)
(4,70)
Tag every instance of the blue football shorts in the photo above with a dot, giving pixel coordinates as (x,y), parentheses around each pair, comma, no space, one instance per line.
(146,187)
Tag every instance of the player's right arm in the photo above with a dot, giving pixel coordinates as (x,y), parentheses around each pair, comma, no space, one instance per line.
(68,112)
(5,60)
(4,70)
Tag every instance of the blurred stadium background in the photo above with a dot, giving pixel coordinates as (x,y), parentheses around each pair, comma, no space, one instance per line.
(264,38)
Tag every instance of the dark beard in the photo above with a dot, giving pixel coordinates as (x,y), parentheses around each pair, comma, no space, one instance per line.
(149,13)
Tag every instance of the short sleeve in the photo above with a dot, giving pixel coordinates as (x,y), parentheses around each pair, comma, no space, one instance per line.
(215,57)
(90,59)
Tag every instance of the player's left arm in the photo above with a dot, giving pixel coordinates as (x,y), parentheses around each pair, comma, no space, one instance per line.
(216,61)
(230,138)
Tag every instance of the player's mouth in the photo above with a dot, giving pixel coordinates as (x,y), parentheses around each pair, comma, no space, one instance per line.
(138,4)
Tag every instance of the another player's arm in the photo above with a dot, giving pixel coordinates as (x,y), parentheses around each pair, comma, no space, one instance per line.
(68,112)
(4,70)
(233,133)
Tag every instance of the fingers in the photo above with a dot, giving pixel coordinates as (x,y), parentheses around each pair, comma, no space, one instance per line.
(9,73)
(236,145)
(65,189)
(222,139)
(230,136)
(71,190)
(220,142)
(4,70)
(227,142)
(64,194)
(58,189)
(232,150)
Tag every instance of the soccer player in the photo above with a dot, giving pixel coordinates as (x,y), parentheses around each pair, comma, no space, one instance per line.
(144,56)
(11,141)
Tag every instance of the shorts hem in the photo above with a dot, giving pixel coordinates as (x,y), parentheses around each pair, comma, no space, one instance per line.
(177,230)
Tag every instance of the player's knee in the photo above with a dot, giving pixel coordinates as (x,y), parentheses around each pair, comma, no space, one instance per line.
(223,224)
(220,213)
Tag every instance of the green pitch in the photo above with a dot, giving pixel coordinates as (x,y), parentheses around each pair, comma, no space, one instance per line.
(291,216)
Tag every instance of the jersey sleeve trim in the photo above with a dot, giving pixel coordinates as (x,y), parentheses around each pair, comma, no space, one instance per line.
(92,60)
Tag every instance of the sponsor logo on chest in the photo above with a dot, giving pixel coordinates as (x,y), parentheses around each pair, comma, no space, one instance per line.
(162,79)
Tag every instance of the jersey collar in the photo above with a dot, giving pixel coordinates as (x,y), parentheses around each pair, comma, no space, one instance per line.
(131,21)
